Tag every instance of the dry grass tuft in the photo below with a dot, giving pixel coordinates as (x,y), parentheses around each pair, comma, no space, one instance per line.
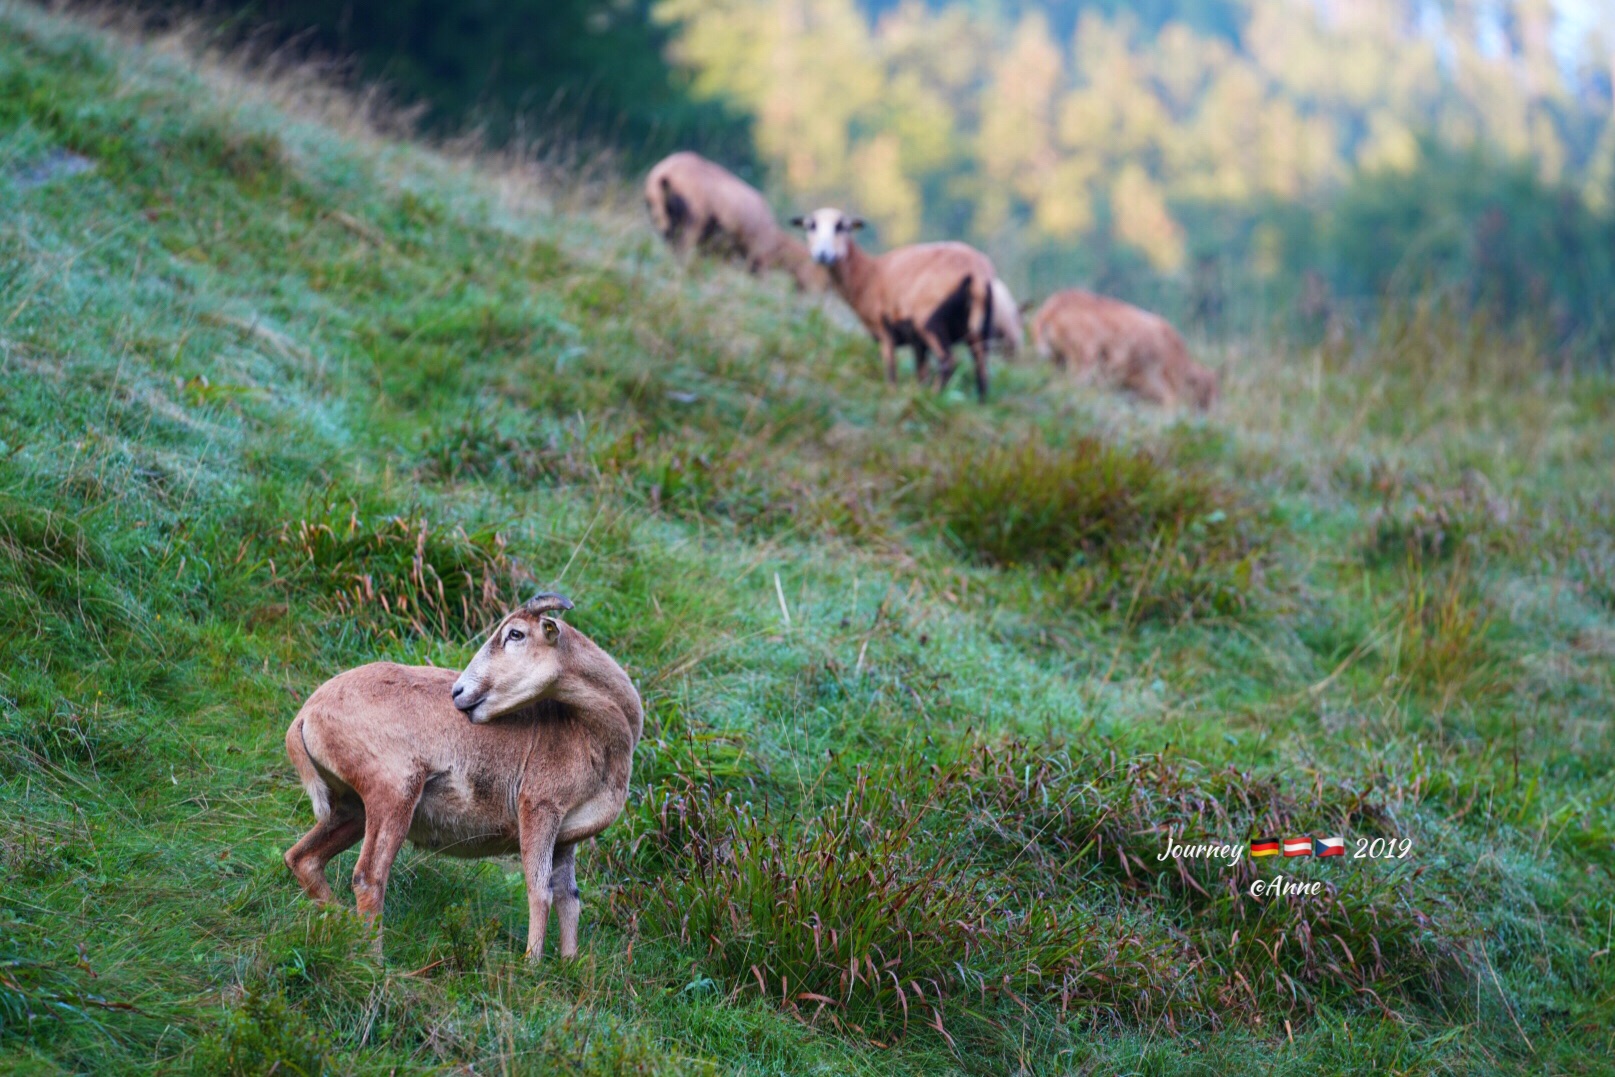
(394,576)
(1121,528)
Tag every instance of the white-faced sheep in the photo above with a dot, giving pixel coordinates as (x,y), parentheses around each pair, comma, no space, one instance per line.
(696,203)
(929,296)
(527,751)
(1123,346)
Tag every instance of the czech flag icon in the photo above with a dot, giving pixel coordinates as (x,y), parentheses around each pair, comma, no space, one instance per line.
(1329,847)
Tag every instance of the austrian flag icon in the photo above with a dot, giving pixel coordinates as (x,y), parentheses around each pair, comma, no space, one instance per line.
(1301,846)
(1329,847)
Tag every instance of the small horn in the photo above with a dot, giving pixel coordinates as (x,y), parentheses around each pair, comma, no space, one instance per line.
(547,601)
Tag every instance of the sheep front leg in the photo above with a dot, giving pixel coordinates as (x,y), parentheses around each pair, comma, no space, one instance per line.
(1152,385)
(539,825)
(922,363)
(888,357)
(564,893)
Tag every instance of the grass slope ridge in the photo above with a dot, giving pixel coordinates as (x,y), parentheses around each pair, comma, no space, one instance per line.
(929,685)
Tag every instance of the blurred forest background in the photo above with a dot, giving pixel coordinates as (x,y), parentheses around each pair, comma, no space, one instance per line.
(1241,164)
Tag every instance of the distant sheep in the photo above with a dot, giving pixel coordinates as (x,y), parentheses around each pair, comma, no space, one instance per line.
(1123,346)
(697,204)
(528,751)
(929,296)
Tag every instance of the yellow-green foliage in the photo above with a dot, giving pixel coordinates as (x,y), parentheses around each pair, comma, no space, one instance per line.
(1066,123)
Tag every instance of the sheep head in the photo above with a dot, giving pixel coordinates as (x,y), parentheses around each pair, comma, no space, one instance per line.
(1204,387)
(518,664)
(829,233)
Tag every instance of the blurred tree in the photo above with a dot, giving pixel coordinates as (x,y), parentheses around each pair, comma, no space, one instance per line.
(556,72)
(1490,231)
(1016,148)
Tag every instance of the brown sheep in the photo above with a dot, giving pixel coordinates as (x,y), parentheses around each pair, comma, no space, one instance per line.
(695,203)
(929,296)
(1122,345)
(527,751)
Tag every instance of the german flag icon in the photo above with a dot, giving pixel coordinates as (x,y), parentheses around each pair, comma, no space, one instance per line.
(1264,847)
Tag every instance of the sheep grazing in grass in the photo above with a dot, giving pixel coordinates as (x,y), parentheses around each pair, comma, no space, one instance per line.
(1005,335)
(527,751)
(929,296)
(1123,346)
(697,204)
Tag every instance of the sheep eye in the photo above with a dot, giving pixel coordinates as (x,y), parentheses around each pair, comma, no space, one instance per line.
(515,634)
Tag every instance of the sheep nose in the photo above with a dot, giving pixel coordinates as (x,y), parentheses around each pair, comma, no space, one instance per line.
(459,690)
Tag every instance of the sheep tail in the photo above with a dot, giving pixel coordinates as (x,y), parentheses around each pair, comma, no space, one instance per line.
(319,794)
(986,330)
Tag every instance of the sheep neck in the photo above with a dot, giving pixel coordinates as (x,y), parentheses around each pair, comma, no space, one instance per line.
(851,274)
(602,699)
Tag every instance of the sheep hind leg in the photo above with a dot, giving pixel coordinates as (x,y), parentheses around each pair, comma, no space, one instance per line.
(386,827)
(308,857)
(565,898)
(978,356)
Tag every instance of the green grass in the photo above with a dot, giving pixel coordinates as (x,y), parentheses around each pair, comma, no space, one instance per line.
(929,684)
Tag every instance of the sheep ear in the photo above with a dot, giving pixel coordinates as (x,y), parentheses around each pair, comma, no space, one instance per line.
(798,222)
(546,602)
(551,628)
(856,223)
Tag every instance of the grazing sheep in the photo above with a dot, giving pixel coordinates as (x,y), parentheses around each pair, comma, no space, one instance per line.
(527,751)
(695,203)
(1124,346)
(1006,333)
(929,296)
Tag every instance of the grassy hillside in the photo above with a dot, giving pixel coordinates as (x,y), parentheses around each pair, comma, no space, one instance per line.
(929,684)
